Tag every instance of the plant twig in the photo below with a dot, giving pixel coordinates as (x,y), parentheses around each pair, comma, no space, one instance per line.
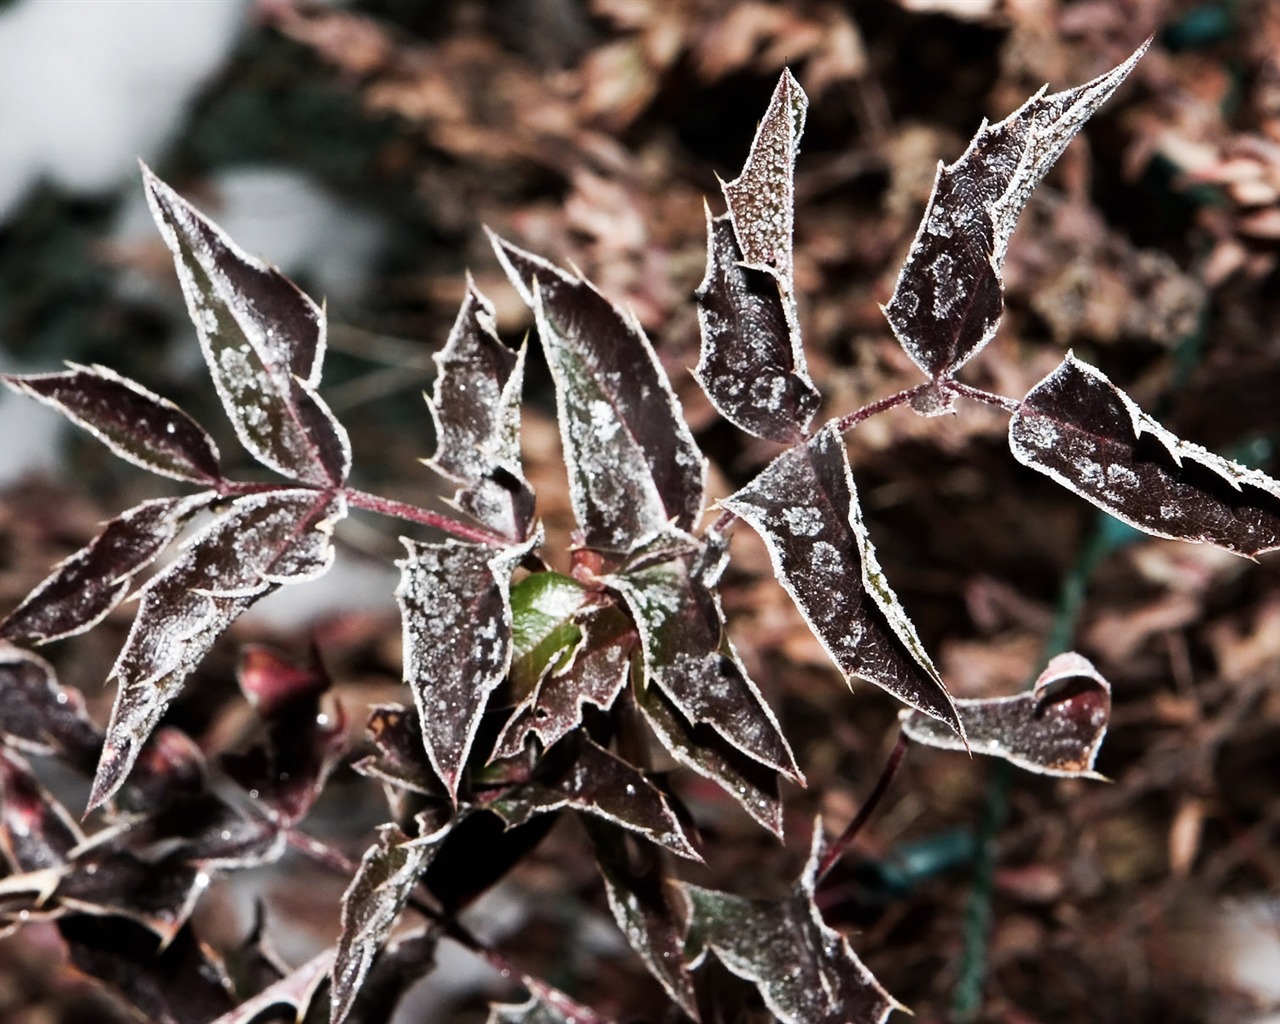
(841,845)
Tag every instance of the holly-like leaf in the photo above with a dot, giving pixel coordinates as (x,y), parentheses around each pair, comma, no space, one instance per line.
(456,609)
(649,910)
(40,715)
(1078,428)
(401,762)
(263,340)
(1055,729)
(805,971)
(84,587)
(387,875)
(705,751)
(633,464)
(139,426)
(476,410)
(752,361)
(687,656)
(588,778)
(603,643)
(36,832)
(805,508)
(949,296)
(297,990)
(262,541)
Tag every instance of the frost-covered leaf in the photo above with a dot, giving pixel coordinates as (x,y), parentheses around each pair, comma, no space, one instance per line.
(476,410)
(706,752)
(1055,729)
(649,910)
(296,990)
(139,426)
(752,361)
(688,657)
(582,775)
(455,607)
(36,832)
(633,464)
(401,761)
(949,296)
(1078,428)
(603,642)
(40,715)
(84,587)
(262,541)
(805,507)
(805,971)
(382,886)
(263,340)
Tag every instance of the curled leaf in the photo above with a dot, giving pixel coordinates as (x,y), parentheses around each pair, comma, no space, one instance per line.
(263,340)
(1079,429)
(949,296)
(139,426)
(1056,729)
(805,507)
(40,715)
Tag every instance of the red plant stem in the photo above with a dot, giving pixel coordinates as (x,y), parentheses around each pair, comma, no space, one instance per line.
(414,514)
(841,845)
(985,397)
(847,423)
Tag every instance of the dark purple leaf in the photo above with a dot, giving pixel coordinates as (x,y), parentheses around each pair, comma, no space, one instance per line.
(805,971)
(400,964)
(476,410)
(41,716)
(648,908)
(157,894)
(752,361)
(588,778)
(36,832)
(170,768)
(1080,429)
(295,990)
(687,656)
(263,541)
(805,507)
(599,670)
(263,340)
(139,426)
(705,751)
(385,880)
(177,982)
(456,610)
(401,760)
(633,464)
(304,736)
(201,829)
(87,585)
(949,296)
(1056,729)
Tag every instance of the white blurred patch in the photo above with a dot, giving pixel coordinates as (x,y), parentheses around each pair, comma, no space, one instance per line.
(87,86)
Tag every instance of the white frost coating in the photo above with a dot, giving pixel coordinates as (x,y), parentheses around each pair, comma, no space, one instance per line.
(803,520)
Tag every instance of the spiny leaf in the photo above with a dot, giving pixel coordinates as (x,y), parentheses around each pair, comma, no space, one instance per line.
(139,426)
(1056,729)
(476,410)
(805,971)
(949,296)
(633,464)
(588,778)
(297,989)
(688,657)
(263,340)
(84,587)
(387,875)
(263,541)
(805,507)
(752,361)
(455,605)
(40,715)
(1078,428)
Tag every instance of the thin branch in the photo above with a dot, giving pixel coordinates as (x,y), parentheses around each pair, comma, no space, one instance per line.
(978,395)
(847,423)
(841,845)
(414,514)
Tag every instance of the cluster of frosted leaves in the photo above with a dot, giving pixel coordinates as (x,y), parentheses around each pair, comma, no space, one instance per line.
(805,971)
(805,507)
(1054,729)
(263,341)
(122,895)
(1078,428)
(752,364)
(949,295)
